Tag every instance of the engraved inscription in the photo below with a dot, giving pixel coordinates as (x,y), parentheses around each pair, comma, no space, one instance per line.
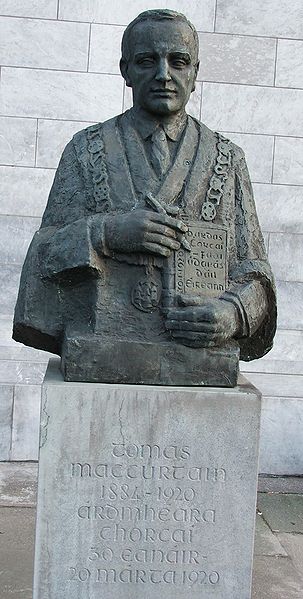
(203,270)
(147,512)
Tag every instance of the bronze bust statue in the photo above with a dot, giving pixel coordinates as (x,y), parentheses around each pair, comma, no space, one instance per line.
(150,266)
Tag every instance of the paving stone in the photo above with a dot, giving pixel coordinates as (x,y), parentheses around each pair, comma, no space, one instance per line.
(17,527)
(60,95)
(237,59)
(280,484)
(260,17)
(18,484)
(290,63)
(283,513)
(253,109)
(276,578)
(266,543)
(293,543)
(44,44)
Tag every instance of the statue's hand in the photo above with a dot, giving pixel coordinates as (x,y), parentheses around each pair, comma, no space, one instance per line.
(143,231)
(203,322)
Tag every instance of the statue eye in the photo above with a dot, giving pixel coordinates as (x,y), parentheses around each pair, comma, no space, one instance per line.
(179,62)
(148,61)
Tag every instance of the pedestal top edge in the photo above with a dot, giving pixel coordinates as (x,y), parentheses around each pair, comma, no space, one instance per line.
(53,376)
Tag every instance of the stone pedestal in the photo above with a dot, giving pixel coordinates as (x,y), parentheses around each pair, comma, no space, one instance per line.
(146,491)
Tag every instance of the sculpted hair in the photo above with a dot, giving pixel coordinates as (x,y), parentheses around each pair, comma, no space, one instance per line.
(156,15)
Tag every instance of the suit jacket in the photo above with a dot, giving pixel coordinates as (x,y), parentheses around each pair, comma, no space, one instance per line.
(67,285)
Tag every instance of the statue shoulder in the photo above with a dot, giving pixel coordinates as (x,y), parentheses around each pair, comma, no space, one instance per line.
(210,137)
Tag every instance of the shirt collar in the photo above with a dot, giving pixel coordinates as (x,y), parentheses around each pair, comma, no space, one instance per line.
(146,124)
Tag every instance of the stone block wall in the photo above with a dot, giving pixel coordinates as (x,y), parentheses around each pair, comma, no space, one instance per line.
(59,73)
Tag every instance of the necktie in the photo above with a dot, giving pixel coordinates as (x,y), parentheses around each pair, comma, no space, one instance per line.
(160,155)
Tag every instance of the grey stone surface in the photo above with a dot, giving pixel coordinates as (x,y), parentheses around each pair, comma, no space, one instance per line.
(266,543)
(52,138)
(276,578)
(6,418)
(19,352)
(17,143)
(281,444)
(105,48)
(249,109)
(280,484)
(288,163)
(116,12)
(25,430)
(237,59)
(279,207)
(9,282)
(285,255)
(260,18)
(283,513)
(27,373)
(54,44)
(278,385)
(12,228)
(16,552)
(258,152)
(293,543)
(18,484)
(29,188)
(289,63)
(290,305)
(59,95)
(284,358)
(127,424)
(41,9)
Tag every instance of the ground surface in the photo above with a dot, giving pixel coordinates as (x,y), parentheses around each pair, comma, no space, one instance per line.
(278,563)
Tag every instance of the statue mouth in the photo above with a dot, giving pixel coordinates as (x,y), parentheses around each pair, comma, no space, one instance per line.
(163,92)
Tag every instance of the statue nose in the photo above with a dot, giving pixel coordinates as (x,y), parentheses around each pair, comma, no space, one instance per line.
(163,73)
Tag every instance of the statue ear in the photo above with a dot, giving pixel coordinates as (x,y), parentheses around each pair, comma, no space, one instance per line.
(196,74)
(124,71)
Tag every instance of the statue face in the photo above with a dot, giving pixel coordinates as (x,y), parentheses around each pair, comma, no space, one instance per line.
(162,67)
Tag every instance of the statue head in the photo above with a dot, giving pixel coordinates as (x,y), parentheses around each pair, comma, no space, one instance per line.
(160,61)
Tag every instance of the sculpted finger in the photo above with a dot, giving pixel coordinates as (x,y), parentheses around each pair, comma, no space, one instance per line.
(185,325)
(162,230)
(172,244)
(175,223)
(171,209)
(190,300)
(154,248)
(195,339)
